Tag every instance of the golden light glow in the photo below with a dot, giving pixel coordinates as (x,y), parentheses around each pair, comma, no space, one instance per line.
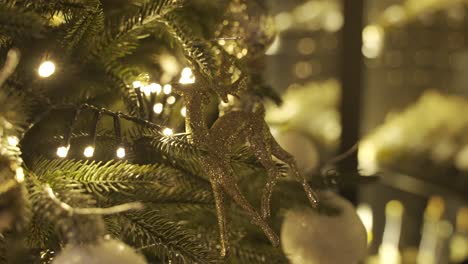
(364,212)
(19,175)
(183,111)
(171,100)
(306,46)
(155,88)
(168,132)
(373,41)
(158,108)
(120,152)
(136,84)
(146,90)
(186,76)
(13,141)
(167,89)
(46,69)
(388,250)
(62,151)
(284,21)
(275,46)
(88,151)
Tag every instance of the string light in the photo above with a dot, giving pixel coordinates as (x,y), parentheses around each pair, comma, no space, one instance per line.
(62,151)
(167,89)
(13,141)
(155,88)
(158,108)
(364,211)
(136,84)
(146,90)
(120,152)
(46,69)
(187,76)
(183,111)
(88,151)
(19,175)
(171,100)
(168,132)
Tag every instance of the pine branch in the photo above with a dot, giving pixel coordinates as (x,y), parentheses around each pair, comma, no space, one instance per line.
(120,77)
(124,181)
(17,22)
(168,240)
(49,212)
(118,44)
(85,27)
(54,7)
(196,50)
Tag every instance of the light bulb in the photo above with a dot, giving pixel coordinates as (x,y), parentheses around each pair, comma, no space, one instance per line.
(187,76)
(46,69)
(62,151)
(146,90)
(88,151)
(13,141)
(136,84)
(171,100)
(168,132)
(155,88)
(19,175)
(183,111)
(158,108)
(120,152)
(167,89)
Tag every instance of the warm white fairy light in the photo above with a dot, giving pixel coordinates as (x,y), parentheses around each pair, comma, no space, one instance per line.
(88,151)
(364,212)
(158,108)
(186,76)
(183,111)
(171,100)
(155,88)
(168,132)
(46,69)
(389,249)
(19,175)
(167,89)
(120,152)
(62,151)
(12,141)
(136,84)
(146,90)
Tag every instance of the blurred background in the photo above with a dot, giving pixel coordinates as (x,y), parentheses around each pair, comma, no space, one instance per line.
(391,75)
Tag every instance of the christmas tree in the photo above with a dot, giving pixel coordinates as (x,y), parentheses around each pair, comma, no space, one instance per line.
(134,132)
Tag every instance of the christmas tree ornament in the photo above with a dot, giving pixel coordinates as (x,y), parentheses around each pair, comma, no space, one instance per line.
(11,172)
(104,251)
(232,129)
(247,30)
(301,147)
(309,237)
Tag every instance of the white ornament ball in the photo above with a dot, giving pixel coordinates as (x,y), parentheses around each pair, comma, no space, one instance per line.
(109,251)
(308,237)
(302,148)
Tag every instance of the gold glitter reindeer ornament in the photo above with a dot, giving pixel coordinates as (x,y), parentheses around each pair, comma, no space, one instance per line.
(229,130)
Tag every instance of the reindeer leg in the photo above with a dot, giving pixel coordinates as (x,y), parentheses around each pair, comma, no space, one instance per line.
(222,172)
(222,217)
(284,156)
(233,190)
(264,155)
